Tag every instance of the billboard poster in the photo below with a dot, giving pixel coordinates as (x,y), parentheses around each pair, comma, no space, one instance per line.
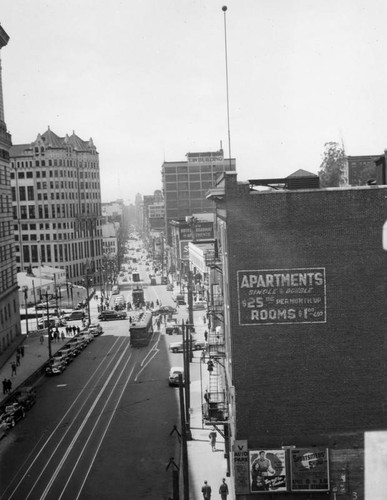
(281,296)
(241,467)
(267,471)
(309,469)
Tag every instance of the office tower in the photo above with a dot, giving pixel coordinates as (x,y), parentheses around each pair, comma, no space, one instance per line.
(57,204)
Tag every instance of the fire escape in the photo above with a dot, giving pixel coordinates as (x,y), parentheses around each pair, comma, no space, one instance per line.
(215,404)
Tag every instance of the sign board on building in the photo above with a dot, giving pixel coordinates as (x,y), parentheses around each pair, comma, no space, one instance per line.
(309,469)
(281,296)
(241,467)
(184,250)
(203,231)
(267,471)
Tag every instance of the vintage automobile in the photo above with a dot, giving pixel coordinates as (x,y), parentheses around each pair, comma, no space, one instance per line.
(26,396)
(112,315)
(197,345)
(174,372)
(12,414)
(95,329)
(55,367)
(165,310)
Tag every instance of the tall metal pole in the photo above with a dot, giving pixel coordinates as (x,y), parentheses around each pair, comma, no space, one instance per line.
(25,290)
(48,327)
(183,440)
(224,9)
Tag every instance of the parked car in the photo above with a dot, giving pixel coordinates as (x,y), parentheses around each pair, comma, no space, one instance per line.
(63,356)
(95,329)
(165,310)
(86,336)
(112,315)
(164,280)
(12,414)
(174,372)
(26,396)
(69,352)
(169,287)
(178,346)
(55,367)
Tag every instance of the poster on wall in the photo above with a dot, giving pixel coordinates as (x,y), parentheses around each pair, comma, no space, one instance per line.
(241,467)
(267,471)
(282,296)
(309,469)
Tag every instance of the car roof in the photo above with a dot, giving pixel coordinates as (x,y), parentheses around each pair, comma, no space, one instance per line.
(177,369)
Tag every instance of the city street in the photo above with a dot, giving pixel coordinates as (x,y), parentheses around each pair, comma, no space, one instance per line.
(112,401)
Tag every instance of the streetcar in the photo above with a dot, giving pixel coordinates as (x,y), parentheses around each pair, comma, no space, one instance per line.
(141,330)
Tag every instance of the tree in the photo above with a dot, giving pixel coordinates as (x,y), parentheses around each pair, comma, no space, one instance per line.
(333,169)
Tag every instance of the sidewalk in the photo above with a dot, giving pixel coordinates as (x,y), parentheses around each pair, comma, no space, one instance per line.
(35,355)
(203,463)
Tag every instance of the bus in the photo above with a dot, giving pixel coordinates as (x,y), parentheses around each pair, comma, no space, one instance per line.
(141,330)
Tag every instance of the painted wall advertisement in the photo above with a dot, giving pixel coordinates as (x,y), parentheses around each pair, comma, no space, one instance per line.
(309,468)
(267,471)
(282,296)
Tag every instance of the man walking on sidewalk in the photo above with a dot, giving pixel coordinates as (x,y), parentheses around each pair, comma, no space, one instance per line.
(212,436)
(206,491)
(223,490)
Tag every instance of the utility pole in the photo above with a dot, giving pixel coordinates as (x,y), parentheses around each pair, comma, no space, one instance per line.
(184,438)
(25,291)
(187,377)
(48,327)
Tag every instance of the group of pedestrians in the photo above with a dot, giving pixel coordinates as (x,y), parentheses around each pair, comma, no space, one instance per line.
(7,386)
(207,490)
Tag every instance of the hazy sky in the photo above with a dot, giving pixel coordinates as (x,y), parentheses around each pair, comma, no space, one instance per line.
(146,80)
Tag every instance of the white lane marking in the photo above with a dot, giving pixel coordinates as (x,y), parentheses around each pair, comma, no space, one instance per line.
(81,427)
(152,353)
(91,378)
(103,434)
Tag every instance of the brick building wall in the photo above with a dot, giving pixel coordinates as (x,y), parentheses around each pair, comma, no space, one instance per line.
(311,383)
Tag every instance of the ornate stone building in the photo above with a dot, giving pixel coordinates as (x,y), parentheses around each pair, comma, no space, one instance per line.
(57,204)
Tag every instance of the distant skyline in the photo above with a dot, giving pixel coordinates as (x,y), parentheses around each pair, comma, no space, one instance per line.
(146,80)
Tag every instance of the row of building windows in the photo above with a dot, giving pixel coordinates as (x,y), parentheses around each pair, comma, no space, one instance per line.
(4,175)
(6,252)
(27,192)
(181,169)
(5,228)
(52,163)
(5,204)
(8,278)
(52,211)
(65,252)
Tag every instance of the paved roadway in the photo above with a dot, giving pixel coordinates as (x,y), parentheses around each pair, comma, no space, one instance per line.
(102,428)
